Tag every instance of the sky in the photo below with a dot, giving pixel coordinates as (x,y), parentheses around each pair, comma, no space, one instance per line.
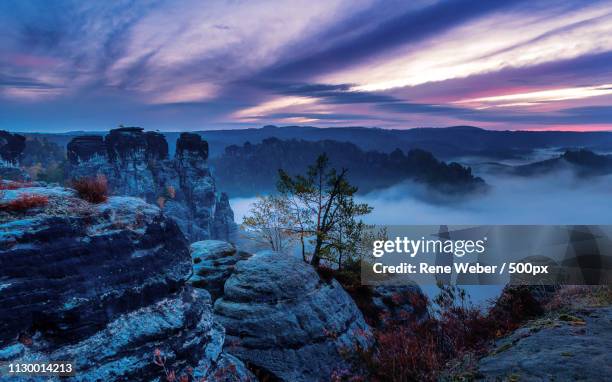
(199,65)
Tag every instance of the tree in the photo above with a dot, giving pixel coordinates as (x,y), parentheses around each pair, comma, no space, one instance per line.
(270,223)
(346,238)
(322,204)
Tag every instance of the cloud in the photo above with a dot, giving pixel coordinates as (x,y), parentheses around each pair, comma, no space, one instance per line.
(484,45)
(410,26)
(537,97)
(369,62)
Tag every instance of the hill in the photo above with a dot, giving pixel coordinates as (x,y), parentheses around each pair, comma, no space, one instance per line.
(445,143)
(252,168)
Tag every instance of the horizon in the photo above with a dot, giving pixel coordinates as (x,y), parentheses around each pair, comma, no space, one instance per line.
(69,132)
(71,66)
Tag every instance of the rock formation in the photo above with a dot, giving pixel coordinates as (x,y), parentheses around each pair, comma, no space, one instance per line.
(103,285)
(11,149)
(283,319)
(213,263)
(136,163)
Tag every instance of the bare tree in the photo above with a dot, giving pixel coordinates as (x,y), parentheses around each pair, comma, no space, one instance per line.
(270,223)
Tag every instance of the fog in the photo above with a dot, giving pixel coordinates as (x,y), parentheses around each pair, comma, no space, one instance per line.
(559,198)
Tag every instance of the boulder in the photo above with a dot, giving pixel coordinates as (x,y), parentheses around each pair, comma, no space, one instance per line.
(104,285)
(283,319)
(213,263)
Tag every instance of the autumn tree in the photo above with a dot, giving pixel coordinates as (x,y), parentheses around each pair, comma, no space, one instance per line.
(270,223)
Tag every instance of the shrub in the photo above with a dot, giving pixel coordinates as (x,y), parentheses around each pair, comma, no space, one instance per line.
(515,305)
(94,190)
(25,202)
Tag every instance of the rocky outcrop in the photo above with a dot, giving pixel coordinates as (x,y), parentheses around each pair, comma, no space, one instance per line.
(191,147)
(11,151)
(86,148)
(287,322)
(11,146)
(213,263)
(568,347)
(136,163)
(103,285)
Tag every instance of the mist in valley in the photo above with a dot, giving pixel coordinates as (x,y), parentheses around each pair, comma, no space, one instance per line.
(557,198)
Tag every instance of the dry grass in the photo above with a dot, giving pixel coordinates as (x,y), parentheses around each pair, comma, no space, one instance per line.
(94,190)
(580,296)
(24,202)
(13,185)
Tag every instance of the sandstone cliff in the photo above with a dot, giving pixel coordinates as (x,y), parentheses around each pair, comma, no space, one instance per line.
(136,163)
(103,285)
(11,151)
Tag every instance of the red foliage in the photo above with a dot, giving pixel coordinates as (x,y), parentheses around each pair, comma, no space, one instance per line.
(421,350)
(515,305)
(24,202)
(25,339)
(225,373)
(94,190)
(13,185)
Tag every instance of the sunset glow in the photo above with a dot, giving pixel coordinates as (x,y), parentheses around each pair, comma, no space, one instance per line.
(499,65)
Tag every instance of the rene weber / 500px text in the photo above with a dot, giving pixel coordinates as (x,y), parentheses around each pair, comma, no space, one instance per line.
(475,268)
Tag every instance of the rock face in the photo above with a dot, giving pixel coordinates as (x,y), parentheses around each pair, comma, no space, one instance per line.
(11,146)
(191,147)
(11,149)
(136,163)
(103,285)
(85,148)
(287,322)
(570,347)
(213,263)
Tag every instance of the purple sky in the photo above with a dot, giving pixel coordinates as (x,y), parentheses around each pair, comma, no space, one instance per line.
(194,65)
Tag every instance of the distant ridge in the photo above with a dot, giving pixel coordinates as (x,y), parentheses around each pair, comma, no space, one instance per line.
(448,143)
